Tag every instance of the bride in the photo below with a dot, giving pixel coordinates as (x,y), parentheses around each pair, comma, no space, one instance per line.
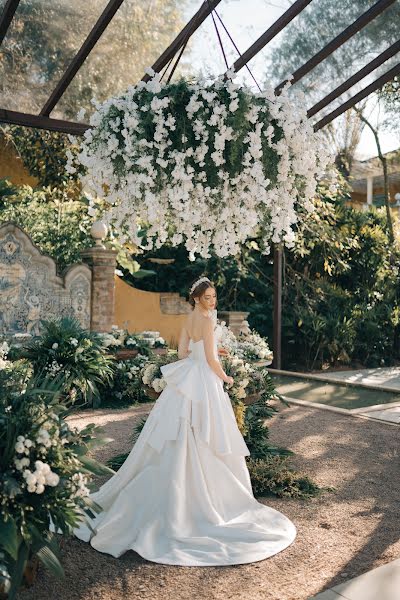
(183,496)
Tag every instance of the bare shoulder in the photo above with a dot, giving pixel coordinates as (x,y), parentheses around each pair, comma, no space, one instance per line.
(207,323)
(187,321)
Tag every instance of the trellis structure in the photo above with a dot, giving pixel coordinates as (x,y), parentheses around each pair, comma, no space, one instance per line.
(44,120)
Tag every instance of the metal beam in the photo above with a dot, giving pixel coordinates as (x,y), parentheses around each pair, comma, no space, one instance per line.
(338,41)
(26,120)
(82,54)
(346,85)
(198,18)
(376,85)
(268,35)
(6,17)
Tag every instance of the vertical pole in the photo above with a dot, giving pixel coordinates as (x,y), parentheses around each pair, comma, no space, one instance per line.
(370,190)
(277,322)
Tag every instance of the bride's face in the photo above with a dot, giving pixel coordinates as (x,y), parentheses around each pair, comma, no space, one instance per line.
(208,300)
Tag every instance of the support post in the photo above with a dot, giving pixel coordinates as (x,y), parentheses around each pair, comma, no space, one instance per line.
(370,190)
(277,319)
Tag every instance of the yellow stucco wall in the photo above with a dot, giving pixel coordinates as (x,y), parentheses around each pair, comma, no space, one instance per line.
(137,310)
(11,166)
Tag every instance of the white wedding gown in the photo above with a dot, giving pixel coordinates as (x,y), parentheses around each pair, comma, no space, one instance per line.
(183,496)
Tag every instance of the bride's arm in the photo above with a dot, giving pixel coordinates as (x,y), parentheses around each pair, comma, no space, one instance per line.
(209,345)
(183,345)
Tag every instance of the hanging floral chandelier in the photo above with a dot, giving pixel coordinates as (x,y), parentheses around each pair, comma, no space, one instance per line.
(207,164)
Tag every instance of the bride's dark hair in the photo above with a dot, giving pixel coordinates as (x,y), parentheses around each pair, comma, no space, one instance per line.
(199,290)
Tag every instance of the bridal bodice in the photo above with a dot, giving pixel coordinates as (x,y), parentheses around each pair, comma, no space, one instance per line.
(197,351)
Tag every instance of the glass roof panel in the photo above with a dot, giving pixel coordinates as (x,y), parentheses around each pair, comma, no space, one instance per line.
(42,39)
(245,21)
(354,54)
(135,38)
(46,34)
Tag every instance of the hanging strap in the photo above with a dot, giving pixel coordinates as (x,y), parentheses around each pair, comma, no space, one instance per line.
(218,35)
(236,48)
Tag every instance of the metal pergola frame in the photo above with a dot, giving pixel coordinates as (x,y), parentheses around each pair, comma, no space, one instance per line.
(45,121)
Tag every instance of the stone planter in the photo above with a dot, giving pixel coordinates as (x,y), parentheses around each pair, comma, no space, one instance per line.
(234,319)
(126,353)
(160,351)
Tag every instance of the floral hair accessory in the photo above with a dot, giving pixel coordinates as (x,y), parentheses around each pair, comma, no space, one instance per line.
(196,283)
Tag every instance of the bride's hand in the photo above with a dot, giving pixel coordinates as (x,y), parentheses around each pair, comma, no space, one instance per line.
(229,380)
(223,352)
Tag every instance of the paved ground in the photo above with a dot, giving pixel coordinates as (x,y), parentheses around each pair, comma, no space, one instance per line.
(382,583)
(339,535)
(386,376)
(368,390)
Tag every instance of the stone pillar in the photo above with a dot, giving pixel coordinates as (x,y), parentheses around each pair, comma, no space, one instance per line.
(233,318)
(102,262)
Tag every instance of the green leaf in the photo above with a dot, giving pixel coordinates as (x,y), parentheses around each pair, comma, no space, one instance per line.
(9,537)
(18,571)
(93,466)
(50,561)
(143,273)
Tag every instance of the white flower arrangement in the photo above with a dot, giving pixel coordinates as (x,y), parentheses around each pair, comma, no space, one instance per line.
(248,345)
(4,350)
(121,338)
(214,162)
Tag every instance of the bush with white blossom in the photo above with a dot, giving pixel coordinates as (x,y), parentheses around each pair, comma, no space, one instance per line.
(44,473)
(143,342)
(64,348)
(202,163)
(126,386)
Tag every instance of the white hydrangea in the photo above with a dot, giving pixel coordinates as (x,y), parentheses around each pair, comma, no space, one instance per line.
(42,475)
(158,384)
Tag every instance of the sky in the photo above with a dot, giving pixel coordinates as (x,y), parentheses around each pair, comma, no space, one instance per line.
(246,20)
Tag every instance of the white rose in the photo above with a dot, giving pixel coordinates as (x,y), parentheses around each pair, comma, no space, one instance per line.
(19,447)
(28,443)
(40,489)
(30,479)
(52,479)
(41,479)
(55,346)
(44,468)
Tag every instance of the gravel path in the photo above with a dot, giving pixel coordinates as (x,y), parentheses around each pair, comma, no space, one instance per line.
(340,535)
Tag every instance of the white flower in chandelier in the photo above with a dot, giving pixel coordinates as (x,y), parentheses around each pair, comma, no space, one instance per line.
(182,182)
